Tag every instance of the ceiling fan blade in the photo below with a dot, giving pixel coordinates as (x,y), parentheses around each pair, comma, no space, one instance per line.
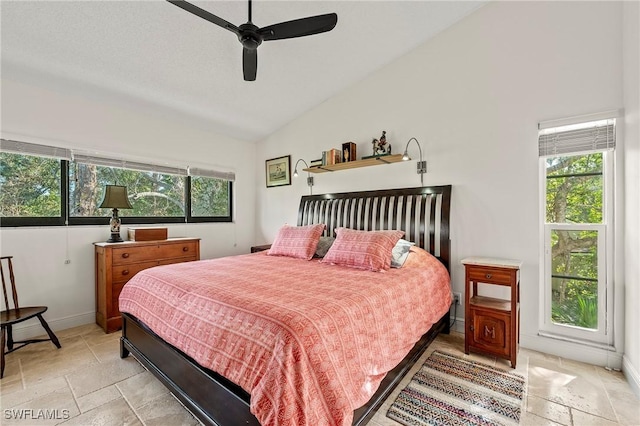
(205,15)
(249,63)
(299,27)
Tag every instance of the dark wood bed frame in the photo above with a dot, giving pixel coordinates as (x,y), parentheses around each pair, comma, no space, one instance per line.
(423,213)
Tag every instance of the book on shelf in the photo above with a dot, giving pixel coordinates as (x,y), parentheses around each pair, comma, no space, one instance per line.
(331,157)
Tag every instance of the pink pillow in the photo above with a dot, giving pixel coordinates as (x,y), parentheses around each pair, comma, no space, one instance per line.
(297,241)
(363,249)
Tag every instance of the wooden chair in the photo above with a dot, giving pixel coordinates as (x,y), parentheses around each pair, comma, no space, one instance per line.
(13,316)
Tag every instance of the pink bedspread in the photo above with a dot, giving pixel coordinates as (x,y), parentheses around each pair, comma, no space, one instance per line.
(309,341)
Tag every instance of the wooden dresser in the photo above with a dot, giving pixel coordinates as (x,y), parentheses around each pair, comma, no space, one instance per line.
(116,263)
(492,324)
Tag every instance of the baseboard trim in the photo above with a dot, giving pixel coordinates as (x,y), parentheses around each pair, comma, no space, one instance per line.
(631,374)
(572,350)
(33,328)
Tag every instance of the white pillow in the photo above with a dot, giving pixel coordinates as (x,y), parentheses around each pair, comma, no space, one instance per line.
(400,252)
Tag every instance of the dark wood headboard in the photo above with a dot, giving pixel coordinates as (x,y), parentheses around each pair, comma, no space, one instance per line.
(423,213)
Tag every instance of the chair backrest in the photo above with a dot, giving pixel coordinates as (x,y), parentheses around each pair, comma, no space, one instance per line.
(6,260)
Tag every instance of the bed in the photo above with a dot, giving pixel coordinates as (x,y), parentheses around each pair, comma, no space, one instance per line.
(422,213)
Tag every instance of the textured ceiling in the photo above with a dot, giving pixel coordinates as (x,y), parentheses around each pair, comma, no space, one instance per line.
(156,53)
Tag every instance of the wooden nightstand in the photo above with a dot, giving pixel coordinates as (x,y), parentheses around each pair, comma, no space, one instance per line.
(492,325)
(255,249)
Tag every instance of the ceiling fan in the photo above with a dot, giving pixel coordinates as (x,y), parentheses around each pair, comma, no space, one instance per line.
(252,36)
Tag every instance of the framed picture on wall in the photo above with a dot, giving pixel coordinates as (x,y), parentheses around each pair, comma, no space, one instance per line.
(278,171)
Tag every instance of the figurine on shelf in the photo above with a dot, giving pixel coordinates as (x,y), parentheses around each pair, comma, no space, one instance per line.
(380,146)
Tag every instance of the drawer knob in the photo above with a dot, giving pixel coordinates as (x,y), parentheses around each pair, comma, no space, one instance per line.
(125,272)
(488,276)
(125,255)
(185,248)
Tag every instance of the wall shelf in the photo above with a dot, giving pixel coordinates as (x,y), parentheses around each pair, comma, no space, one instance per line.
(376,161)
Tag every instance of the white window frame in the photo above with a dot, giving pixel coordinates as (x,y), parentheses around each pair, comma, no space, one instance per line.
(604,334)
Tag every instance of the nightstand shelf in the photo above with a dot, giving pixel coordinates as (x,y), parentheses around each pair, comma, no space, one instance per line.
(491,303)
(492,325)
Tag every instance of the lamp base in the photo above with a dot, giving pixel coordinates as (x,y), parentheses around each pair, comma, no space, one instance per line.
(115,238)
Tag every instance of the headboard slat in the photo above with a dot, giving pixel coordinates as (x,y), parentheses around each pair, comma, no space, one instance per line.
(426,208)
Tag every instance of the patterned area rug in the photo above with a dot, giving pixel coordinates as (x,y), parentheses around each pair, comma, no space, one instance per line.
(449,391)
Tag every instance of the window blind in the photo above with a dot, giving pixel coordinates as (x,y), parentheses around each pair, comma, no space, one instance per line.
(584,137)
(194,171)
(125,164)
(26,148)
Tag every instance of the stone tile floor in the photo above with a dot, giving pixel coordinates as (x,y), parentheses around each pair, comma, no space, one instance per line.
(86,383)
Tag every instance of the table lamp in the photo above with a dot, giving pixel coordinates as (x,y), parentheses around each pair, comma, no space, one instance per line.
(115,197)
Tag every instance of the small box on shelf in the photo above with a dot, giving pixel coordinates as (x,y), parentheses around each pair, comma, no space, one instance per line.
(147,234)
(349,152)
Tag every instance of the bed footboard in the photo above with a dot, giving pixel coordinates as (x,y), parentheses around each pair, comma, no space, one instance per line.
(213,399)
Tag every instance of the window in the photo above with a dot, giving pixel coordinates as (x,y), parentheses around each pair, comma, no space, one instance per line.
(34,188)
(210,197)
(152,195)
(577,171)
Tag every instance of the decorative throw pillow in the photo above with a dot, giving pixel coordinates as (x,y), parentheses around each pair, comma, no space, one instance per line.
(400,252)
(323,246)
(363,249)
(297,241)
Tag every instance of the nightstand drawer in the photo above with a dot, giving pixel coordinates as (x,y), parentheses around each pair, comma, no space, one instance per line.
(490,275)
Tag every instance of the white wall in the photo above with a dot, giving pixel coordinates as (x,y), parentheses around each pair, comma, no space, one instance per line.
(57,116)
(473,97)
(631,73)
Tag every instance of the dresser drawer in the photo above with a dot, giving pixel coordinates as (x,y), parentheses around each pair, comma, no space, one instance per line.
(490,275)
(170,251)
(127,255)
(177,260)
(122,273)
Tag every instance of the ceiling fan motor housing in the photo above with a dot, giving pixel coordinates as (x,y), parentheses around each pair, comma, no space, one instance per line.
(249,36)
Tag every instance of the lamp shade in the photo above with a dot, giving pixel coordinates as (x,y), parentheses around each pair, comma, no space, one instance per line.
(115,197)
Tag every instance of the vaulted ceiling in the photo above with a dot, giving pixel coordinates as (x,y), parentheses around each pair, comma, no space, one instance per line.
(156,53)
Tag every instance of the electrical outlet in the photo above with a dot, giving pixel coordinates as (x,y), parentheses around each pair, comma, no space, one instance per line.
(67,261)
(457,297)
